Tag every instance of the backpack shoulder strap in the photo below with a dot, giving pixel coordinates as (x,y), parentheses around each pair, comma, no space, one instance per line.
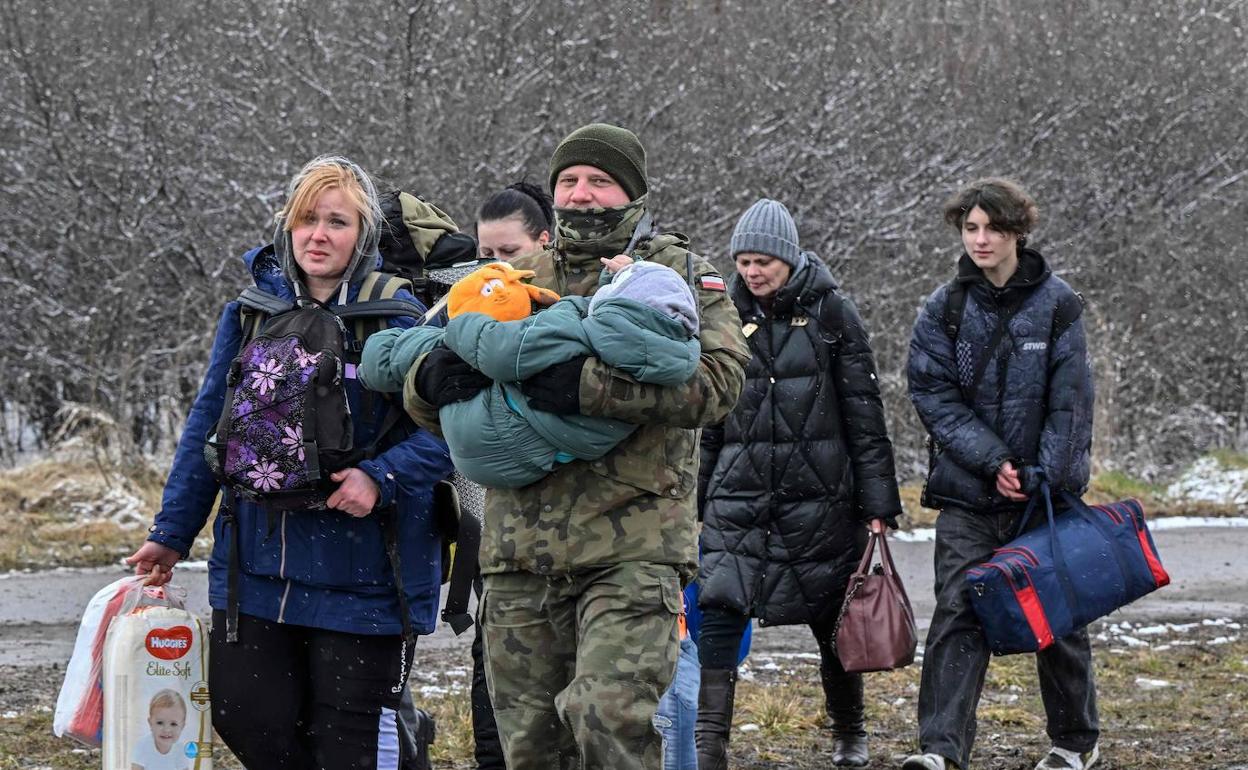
(255,305)
(955,305)
(1069,308)
(375,303)
(465,530)
(378,308)
(998,333)
(258,299)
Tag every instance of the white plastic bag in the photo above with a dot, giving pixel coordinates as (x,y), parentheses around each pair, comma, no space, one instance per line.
(80,706)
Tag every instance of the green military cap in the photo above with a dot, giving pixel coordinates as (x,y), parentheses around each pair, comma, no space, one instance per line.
(615,150)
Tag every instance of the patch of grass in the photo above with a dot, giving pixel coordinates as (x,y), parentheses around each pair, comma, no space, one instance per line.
(453,714)
(77,512)
(1229,458)
(28,736)
(1116,485)
(778,711)
(1197,722)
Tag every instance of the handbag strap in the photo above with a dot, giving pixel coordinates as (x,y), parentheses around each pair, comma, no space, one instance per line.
(855,582)
(864,564)
(890,569)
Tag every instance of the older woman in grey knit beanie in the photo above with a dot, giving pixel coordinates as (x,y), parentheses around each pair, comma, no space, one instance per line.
(764,246)
(791,480)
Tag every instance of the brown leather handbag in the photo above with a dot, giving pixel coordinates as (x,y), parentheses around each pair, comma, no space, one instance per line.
(875,629)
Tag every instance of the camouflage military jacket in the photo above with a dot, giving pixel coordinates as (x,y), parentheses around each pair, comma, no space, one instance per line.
(637,503)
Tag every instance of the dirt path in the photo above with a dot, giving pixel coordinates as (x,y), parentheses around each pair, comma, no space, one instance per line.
(1209,568)
(1186,637)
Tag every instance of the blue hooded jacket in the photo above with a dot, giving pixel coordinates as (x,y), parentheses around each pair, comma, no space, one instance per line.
(322,569)
(1033,405)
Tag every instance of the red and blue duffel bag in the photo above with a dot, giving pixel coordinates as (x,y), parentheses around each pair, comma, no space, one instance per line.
(1089,561)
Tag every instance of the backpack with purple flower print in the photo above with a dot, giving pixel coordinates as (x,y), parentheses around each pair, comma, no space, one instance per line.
(286,425)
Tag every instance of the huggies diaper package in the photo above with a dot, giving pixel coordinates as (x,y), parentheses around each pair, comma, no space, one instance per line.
(138,681)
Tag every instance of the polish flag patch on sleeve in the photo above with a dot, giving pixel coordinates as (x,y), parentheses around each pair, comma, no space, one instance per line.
(712,283)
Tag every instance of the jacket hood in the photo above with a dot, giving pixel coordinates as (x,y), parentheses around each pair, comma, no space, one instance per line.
(266,271)
(804,288)
(1032,271)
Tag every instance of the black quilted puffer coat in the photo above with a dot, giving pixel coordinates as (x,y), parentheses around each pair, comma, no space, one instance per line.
(789,479)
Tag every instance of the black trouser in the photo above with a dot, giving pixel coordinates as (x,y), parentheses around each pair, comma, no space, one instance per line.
(296,698)
(489,750)
(956,656)
(719,636)
(719,642)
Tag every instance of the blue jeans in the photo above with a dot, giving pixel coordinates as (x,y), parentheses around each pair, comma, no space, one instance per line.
(678,711)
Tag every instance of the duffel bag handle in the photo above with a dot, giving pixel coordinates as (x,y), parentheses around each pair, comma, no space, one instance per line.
(1063,572)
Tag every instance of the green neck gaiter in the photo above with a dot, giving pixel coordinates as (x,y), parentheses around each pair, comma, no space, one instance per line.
(585,234)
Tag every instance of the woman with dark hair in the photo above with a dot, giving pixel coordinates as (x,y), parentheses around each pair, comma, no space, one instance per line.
(999,374)
(515,221)
(790,482)
(310,648)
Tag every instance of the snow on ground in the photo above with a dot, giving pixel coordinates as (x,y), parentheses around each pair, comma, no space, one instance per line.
(1185,522)
(928,534)
(1207,481)
(1119,637)
(1164,636)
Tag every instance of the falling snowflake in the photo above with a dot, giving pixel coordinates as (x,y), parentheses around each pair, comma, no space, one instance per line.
(266,476)
(294,440)
(266,376)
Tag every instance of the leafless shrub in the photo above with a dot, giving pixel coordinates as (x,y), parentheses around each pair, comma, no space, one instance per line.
(144,145)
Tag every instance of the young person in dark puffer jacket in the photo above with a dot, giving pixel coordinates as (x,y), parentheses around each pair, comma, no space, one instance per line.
(999,426)
(790,480)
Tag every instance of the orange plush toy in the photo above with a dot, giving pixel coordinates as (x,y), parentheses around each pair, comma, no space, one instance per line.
(498,291)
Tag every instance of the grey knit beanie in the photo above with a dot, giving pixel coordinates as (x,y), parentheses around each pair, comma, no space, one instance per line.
(768,228)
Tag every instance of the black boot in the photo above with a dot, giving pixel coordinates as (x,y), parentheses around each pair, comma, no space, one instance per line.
(843,699)
(715,698)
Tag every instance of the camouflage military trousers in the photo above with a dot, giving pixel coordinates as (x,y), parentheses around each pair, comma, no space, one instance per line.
(576,663)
